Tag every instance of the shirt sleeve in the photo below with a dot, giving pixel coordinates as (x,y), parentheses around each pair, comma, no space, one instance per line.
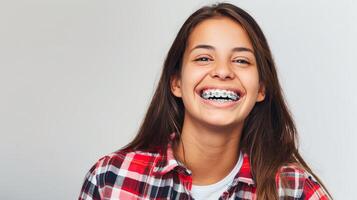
(90,189)
(295,182)
(313,190)
(100,182)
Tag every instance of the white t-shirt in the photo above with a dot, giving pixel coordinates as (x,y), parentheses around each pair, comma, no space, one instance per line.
(215,190)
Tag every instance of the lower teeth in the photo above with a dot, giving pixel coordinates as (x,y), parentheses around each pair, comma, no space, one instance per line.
(221,100)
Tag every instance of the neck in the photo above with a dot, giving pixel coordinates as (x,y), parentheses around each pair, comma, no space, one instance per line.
(210,153)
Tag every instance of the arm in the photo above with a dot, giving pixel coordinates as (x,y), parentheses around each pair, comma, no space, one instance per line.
(99,180)
(314,191)
(293,181)
(90,188)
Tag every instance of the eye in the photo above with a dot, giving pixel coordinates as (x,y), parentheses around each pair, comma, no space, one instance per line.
(242,61)
(203,59)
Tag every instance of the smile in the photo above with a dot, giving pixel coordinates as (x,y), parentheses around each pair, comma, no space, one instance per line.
(222,98)
(220,95)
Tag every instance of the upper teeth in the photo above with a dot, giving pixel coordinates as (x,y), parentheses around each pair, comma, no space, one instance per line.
(219,93)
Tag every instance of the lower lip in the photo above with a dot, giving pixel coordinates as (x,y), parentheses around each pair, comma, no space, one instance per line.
(227,104)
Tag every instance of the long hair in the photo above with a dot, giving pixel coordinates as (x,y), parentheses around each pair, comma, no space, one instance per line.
(269,134)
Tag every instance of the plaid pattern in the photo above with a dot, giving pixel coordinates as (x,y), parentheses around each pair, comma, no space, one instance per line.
(129,175)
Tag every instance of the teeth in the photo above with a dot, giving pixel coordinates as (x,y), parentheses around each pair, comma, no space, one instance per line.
(225,94)
(220,93)
(205,95)
(221,100)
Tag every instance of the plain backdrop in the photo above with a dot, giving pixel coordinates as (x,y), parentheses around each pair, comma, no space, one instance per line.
(76,77)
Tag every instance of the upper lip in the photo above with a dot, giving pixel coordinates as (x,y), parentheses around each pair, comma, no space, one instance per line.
(234,89)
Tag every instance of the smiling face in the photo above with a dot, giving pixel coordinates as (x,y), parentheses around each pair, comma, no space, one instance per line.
(219,55)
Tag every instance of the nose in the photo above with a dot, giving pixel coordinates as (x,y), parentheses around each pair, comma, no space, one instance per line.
(223,71)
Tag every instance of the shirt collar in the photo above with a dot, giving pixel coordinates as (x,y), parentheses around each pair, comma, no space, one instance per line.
(245,174)
(167,163)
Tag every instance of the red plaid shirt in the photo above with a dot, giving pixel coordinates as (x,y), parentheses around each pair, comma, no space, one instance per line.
(129,175)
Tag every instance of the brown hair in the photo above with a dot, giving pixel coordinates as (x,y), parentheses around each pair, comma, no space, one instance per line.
(269,135)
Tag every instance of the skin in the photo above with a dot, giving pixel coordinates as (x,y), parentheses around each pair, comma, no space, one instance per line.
(210,134)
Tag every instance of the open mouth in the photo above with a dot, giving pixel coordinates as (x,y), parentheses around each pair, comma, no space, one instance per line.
(220,95)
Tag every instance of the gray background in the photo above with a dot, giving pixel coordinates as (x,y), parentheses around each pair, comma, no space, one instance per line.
(76,77)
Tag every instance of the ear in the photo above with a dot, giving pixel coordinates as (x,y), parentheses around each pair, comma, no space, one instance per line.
(261,93)
(175,85)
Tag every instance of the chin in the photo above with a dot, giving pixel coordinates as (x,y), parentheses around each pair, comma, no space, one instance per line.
(222,123)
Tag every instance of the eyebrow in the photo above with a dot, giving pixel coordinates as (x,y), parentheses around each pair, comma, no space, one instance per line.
(209,47)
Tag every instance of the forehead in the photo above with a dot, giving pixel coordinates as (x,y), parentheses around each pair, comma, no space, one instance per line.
(219,32)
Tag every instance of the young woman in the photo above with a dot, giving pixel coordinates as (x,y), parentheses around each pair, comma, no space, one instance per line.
(217,127)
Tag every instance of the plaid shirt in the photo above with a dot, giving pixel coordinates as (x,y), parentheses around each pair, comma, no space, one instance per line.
(129,175)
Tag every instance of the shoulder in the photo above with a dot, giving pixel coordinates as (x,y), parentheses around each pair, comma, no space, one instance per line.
(110,172)
(127,160)
(293,180)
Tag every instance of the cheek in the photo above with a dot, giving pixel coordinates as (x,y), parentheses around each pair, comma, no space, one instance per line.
(191,77)
(250,80)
